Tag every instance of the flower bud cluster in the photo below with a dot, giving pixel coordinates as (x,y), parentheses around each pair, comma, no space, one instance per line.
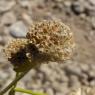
(45,41)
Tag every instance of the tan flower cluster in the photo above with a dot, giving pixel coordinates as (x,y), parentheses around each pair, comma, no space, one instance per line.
(15,46)
(53,38)
(16,52)
(45,41)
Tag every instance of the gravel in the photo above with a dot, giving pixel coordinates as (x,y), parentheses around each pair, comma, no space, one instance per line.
(78,7)
(24,3)
(92,2)
(6,5)
(53,78)
(8,18)
(2,40)
(93,23)
(18,30)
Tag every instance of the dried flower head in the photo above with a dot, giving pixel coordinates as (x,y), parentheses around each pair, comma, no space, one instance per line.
(16,52)
(15,46)
(45,41)
(53,38)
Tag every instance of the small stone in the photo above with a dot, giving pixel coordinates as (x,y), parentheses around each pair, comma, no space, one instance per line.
(77,7)
(27,19)
(40,76)
(49,91)
(93,22)
(34,86)
(84,68)
(90,10)
(44,69)
(84,82)
(3,40)
(18,30)
(3,31)
(6,5)
(92,2)
(67,5)
(3,78)
(92,83)
(91,73)
(73,70)
(3,60)
(8,18)
(58,88)
(4,75)
(58,93)
(24,3)
(83,16)
(73,81)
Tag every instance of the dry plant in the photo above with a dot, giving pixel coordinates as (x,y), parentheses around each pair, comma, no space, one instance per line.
(45,41)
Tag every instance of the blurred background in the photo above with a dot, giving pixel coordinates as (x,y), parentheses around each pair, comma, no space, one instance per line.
(55,79)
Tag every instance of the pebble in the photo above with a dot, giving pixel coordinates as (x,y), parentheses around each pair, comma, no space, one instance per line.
(3,77)
(92,83)
(27,18)
(92,2)
(8,18)
(3,35)
(67,5)
(77,7)
(91,73)
(3,60)
(84,82)
(84,68)
(93,23)
(34,86)
(83,7)
(24,3)
(49,91)
(3,40)
(90,10)
(18,30)
(58,93)
(73,70)
(6,5)
(2,30)
(73,81)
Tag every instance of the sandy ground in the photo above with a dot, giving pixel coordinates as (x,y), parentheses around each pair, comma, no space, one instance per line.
(52,78)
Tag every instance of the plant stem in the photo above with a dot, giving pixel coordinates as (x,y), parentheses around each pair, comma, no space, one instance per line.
(28,91)
(12,91)
(13,82)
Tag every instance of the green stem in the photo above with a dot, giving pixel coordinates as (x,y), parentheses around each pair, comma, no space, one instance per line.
(28,91)
(12,91)
(13,82)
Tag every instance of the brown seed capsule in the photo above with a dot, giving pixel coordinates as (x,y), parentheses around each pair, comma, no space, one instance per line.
(53,38)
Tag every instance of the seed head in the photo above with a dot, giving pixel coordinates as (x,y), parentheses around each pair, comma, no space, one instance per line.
(53,38)
(23,55)
(16,52)
(45,41)
(15,46)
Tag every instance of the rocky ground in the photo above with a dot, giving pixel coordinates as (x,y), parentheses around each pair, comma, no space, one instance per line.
(55,79)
